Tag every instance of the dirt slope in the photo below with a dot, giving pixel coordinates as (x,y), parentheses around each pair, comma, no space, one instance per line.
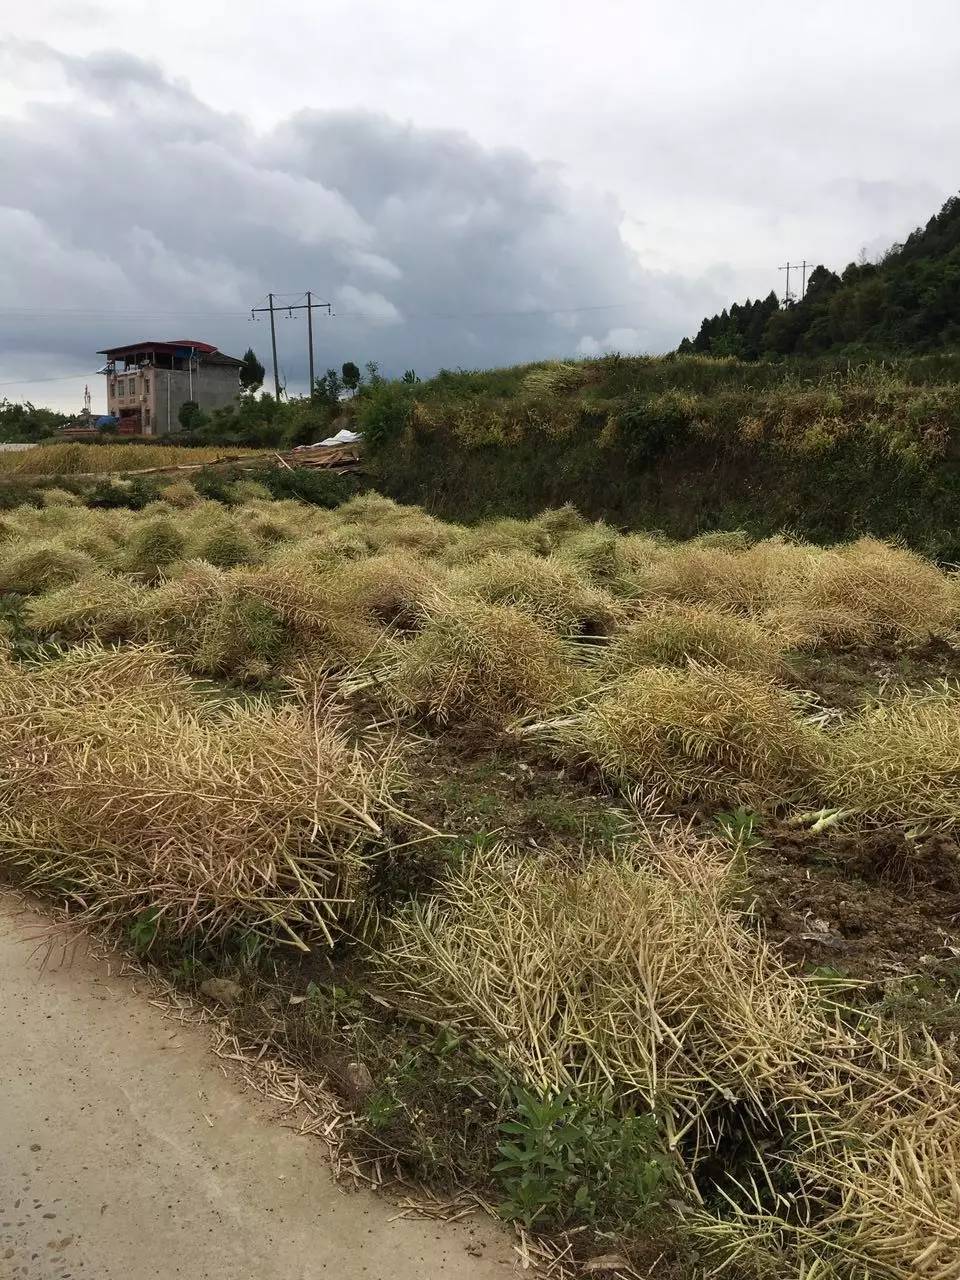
(126,1154)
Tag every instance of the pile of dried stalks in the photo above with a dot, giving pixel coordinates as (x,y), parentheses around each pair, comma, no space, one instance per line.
(215,623)
(101,606)
(478,663)
(633,973)
(701,733)
(899,761)
(555,594)
(678,634)
(131,794)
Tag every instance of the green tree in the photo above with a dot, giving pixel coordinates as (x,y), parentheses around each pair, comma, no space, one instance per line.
(327,389)
(191,417)
(23,423)
(251,372)
(350,373)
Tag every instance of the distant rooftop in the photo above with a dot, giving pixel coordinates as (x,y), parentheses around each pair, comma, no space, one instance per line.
(181,347)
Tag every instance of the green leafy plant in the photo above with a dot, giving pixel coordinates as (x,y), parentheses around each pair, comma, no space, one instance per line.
(740,827)
(566,1161)
(143,929)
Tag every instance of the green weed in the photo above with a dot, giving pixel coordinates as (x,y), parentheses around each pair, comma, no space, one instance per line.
(565,1161)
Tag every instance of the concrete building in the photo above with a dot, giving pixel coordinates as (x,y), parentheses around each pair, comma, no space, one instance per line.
(149,382)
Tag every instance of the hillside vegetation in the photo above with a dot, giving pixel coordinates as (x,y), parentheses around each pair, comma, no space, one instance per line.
(612,877)
(908,301)
(687,444)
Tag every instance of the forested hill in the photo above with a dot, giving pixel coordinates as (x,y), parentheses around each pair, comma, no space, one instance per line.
(909,301)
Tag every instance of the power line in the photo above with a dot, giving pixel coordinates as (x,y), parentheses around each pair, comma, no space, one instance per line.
(60,377)
(282,306)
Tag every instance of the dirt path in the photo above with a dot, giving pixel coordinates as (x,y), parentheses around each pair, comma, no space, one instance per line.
(126,1154)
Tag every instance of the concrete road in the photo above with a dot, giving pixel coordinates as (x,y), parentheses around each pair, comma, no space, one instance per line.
(109,1169)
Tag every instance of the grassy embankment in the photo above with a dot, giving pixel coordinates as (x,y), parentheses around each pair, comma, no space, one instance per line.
(687,445)
(568,846)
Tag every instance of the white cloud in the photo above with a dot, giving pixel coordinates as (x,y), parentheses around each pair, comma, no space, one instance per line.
(626,341)
(141,211)
(370,306)
(388,148)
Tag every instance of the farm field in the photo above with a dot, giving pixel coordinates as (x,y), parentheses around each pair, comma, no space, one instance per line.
(66,459)
(612,878)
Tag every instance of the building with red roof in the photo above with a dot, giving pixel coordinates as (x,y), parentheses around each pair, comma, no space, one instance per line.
(149,382)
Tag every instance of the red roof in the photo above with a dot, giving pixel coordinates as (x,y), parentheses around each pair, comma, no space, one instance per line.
(171,347)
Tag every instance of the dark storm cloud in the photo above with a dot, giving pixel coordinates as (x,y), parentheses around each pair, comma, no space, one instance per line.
(132,209)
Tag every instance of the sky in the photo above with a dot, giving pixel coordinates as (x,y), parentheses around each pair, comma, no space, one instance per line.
(468,185)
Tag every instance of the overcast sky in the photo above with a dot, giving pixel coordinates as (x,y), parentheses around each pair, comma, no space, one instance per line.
(469,184)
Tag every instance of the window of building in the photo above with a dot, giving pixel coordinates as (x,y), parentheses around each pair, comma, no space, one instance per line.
(146,385)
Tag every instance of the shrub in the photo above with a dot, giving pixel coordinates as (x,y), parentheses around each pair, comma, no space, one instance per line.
(17,494)
(567,1161)
(384,412)
(319,488)
(704,733)
(241,491)
(109,493)
(485,664)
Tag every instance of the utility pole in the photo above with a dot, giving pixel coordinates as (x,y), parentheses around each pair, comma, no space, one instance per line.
(309,306)
(273,341)
(803,267)
(310,338)
(786,268)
